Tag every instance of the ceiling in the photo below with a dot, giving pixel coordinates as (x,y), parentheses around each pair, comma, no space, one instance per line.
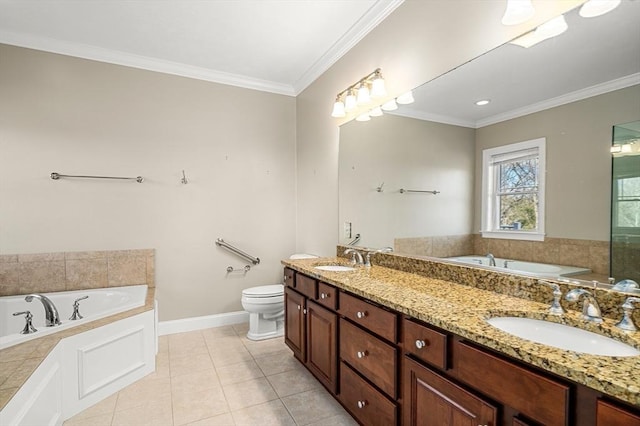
(279,46)
(594,56)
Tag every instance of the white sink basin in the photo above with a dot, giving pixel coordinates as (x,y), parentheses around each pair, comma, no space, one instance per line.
(562,336)
(335,268)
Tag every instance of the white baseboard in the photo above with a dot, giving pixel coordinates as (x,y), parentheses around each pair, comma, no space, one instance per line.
(199,323)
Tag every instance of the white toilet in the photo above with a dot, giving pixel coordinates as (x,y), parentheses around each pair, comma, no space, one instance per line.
(265,305)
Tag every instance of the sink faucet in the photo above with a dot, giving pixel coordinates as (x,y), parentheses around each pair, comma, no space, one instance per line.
(355,254)
(50,311)
(555,307)
(367,261)
(590,308)
(492,259)
(626,323)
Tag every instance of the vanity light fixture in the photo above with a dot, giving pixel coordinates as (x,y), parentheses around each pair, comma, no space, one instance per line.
(405,98)
(594,8)
(518,11)
(390,105)
(376,112)
(368,87)
(549,29)
(363,117)
(483,102)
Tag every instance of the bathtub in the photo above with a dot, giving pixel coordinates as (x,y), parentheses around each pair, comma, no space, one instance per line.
(101,303)
(537,269)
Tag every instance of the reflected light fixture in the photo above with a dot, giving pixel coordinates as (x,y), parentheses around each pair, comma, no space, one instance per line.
(405,98)
(368,87)
(594,8)
(376,112)
(390,105)
(518,11)
(363,117)
(549,29)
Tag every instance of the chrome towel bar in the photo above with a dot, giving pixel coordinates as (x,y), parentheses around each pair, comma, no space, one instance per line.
(222,243)
(56,176)
(402,191)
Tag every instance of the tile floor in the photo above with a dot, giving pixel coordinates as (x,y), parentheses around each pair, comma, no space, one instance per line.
(219,377)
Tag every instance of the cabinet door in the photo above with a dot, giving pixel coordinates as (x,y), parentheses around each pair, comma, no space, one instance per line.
(322,351)
(611,415)
(432,400)
(295,330)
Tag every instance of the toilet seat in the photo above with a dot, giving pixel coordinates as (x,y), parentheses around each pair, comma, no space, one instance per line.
(264,291)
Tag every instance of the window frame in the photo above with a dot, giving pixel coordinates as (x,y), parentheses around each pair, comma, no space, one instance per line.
(490,219)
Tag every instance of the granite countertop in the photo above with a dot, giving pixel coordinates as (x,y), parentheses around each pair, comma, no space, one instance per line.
(18,362)
(463,310)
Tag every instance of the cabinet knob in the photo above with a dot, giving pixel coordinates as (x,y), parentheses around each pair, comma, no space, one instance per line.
(420,344)
(362,354)
(304,311)
(362,404)
(323,295)
(361,314)
(299,307)
(285,277)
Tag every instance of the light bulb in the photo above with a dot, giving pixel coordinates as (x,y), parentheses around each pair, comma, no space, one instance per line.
(518,11)
(363,95)
(377,87)
(376,112)
(594,8)
(363,117)
(405,98)
(350,101)
(338,109)
(390,105)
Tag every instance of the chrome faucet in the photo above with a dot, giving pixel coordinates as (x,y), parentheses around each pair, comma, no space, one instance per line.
(590,309)
(355,254)
(555,307)
(492,259)
(367,261)
(50,311)
(626,323)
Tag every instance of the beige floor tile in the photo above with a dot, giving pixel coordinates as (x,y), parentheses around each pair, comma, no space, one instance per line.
(338,420)
(224,344)
(224,358)
(143,391)
(248,393)
(185,338)
(106,406)
(194,382)
(194,406)
(293,382)
(241,329)
(312,406)
(224,331)
(225,419)
(190,364)
(100,420)
(272,413)
(278,363)
(163,344)
(239,372)
(153,413)
(264,347)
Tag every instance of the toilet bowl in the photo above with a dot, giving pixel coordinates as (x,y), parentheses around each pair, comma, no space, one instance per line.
(265,305)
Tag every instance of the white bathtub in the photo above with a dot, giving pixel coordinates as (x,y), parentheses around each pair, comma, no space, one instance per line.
(101,303)
(537,269)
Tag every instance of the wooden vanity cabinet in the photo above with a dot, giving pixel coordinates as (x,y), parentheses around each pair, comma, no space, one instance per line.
(609,414)
(295,330)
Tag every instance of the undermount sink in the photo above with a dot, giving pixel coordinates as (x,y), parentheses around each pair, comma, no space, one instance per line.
(562,336)
(335,268)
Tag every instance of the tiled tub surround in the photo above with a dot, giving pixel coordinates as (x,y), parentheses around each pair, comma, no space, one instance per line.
(460,299)
(589,254)
(63,271)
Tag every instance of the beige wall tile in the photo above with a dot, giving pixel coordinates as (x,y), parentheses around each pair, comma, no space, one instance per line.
(8,258)
(125,270)
(42,276)
(81,255)
(573,255)
(40,257)
(9,278)
(151,269)
(520,250)
(86,273)
(599,259)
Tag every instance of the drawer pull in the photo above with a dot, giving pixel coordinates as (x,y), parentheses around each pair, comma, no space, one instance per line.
(362,354)
(420,344)
(323,295)
(362,404)
(285,277)
(361,314)
(304,311)
(299,307)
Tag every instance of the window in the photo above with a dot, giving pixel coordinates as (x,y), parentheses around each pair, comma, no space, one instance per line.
(513,191)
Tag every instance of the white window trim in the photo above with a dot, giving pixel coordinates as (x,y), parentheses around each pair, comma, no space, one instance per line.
(488,189)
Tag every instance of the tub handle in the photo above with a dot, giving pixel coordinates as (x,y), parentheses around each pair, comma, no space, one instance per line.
(76,308)
(28,327)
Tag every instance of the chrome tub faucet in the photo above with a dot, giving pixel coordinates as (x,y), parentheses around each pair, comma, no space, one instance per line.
(51,313)
(492,259)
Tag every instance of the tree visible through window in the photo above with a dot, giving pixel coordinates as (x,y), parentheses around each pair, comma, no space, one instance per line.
(517,194)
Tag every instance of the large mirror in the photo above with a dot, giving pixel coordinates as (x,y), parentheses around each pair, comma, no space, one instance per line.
(571,90)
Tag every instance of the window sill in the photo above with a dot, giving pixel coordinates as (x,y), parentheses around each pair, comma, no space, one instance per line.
(514,235)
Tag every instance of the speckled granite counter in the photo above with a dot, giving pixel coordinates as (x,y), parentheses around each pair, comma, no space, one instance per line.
(18,362)
(463,310)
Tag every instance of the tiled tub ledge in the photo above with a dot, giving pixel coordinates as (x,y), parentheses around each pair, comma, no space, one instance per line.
(32,373)
(460,300)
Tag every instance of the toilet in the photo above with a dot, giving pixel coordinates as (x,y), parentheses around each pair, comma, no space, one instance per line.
(265,305)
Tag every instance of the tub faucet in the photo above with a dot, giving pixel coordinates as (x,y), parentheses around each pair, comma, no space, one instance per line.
(367,261)
(492,259)
(590,309)
(50,311)
(355,254)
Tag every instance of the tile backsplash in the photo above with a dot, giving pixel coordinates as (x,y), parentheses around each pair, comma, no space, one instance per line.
(50,272)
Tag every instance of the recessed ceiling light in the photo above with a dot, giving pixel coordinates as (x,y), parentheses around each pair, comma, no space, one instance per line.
(483,102)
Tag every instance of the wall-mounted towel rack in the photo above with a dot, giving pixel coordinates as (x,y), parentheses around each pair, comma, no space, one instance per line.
(402,191)
(231,269)
(56,176)
(221,243)
(355,240)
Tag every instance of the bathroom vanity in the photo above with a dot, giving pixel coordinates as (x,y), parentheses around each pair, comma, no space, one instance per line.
(401,348)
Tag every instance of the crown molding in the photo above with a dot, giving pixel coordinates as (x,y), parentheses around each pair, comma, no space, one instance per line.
(141,62)
(403,111)
(376,14)
(588,92)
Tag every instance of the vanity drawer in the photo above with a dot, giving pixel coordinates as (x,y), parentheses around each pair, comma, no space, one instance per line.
(374,318)
(368,405)
(373,358)
(307,286)
(424,343)
(289,277)
(328,295)
(534,395)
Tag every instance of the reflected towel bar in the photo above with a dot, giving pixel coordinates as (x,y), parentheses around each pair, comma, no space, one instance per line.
(221,243)
(56,176)
(402,191)
(355,240)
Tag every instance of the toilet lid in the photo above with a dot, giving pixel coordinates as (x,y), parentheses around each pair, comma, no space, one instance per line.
(264,291)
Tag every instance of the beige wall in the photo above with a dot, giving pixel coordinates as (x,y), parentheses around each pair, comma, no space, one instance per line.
(74,116)
(578,178)
(417,42)
(411,154)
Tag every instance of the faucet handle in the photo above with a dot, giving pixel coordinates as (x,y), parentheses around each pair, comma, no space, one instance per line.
(76,309)
(28,327)
(626,323)
(556,307)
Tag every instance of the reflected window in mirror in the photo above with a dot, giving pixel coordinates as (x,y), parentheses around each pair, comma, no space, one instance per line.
(513,191)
